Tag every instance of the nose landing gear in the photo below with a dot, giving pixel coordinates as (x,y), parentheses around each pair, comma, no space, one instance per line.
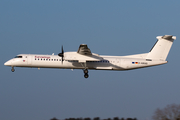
(86,73)
(12,69)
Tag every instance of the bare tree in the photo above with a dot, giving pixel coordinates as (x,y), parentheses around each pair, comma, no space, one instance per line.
(170,112)
(87,118)
(115,118)
(96,118)
(54,118)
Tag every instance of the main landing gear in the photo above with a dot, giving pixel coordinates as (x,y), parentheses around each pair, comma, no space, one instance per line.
(12,69)
(86,73)
(85,69)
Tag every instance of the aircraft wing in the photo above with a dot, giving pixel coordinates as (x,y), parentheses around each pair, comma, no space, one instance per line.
(83,54)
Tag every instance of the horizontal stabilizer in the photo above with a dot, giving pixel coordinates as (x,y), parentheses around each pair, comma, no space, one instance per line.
(167,37)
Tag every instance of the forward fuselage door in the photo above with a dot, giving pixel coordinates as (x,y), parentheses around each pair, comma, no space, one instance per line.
(29,58)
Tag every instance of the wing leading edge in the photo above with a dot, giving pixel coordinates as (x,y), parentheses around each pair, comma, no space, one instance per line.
(83,54)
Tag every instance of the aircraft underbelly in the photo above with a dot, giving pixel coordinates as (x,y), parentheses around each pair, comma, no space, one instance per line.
(75,65)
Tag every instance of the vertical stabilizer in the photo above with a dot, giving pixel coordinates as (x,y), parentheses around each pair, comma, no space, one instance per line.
(161,48)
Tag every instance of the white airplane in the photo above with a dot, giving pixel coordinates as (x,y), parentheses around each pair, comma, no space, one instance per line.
(86,60)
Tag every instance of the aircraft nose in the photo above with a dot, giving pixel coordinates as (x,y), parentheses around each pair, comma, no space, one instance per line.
(8,63)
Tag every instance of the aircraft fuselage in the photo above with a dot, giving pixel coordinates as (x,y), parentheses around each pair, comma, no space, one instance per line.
(54,61)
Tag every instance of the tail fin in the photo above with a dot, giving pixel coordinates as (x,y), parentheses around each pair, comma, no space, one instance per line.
(161,48)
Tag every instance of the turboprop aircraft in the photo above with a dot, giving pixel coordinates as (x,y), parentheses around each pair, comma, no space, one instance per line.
(86,60)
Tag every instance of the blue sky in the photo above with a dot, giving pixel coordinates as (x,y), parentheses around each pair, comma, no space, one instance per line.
(109,28)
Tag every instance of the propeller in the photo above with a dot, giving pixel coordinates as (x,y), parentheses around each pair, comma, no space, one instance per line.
(61,54)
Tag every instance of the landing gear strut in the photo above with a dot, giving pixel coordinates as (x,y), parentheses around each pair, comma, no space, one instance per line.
(86,73)
(12,69)
(85,69)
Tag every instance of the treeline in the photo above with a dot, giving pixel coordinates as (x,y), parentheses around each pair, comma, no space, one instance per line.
(96,118)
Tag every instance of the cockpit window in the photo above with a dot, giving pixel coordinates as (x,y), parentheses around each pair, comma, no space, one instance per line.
(18,57)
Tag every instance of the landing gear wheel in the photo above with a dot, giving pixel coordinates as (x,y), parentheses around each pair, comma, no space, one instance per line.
(85,71)
(12,69)
(86,75)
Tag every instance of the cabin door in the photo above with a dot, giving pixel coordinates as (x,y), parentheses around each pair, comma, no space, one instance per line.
(29,57)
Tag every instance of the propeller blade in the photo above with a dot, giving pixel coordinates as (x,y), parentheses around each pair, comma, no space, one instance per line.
(62,60)
(61,54)
(62,49)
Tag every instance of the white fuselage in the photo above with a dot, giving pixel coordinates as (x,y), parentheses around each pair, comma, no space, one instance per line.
(107,63)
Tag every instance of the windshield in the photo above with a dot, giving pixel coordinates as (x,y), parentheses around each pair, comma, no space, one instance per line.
(18,57)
